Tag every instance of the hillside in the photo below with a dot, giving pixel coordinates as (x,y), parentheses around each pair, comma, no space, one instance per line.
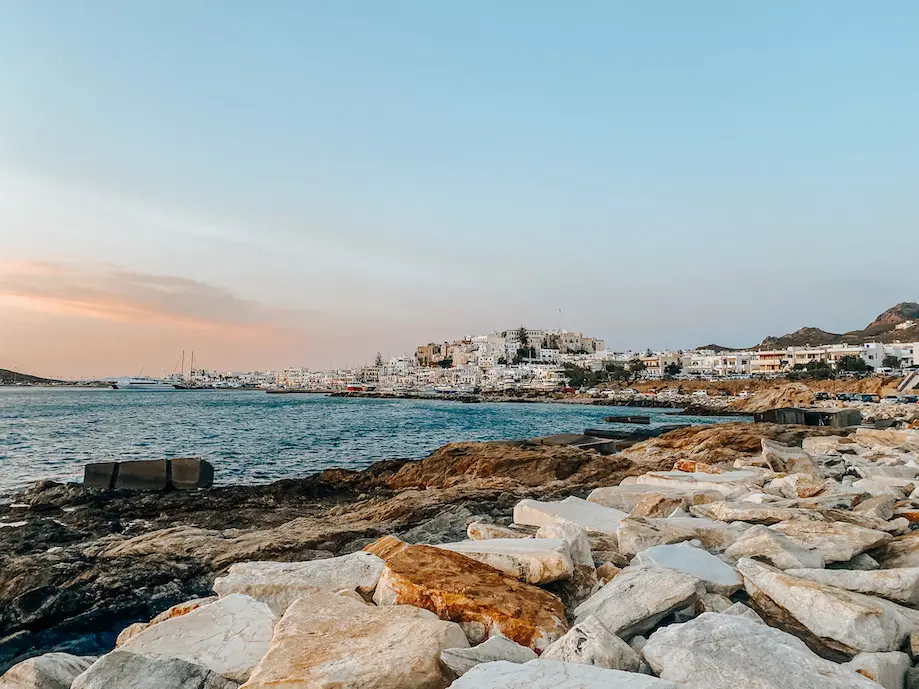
(8,377)
(881,329)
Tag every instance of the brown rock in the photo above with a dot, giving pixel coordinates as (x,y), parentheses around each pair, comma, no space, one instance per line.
(483,600)
(656,506)
(693,465)
(607,572)
(385,547)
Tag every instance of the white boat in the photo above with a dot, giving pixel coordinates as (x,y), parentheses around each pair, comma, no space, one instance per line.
(143,385)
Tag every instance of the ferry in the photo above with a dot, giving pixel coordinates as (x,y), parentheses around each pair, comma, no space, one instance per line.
(143,385)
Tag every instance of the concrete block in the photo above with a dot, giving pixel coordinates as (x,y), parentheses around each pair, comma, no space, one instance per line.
(99,474)
(142,475)
(189,473)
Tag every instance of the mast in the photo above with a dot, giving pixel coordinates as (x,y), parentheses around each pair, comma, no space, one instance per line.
(191,371)
(183,364)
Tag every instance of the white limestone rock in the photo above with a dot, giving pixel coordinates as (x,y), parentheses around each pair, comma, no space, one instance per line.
(640,533)
(878,507)
(717,576)
(583,581)
(749,512)
(713,602)
(825,444)
(482,531)
(589,643)
(533,560)
(229,636)
(326,641)
(730,484)
(835,541)
(48,671)
(907,440)
(638,598)
(587,515)
(278,584)
(887,669)
(626,497)
(494,648)
(553,674)
(898,585)
(788,460)
(774,547)
(853,620)
(742,610)
(123,670)
(717,651)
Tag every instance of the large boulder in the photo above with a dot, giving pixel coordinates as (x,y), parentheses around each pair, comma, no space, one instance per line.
(587,515)
(717,651)
(640,533)
(902,551)
(533,560)
(462,660)
(898,585)
(589,643)
(553,674)
(717,576)
(482,599)
(887,669)
(627,497)
(278,584)
(835,541)
(229,636)
(583,581)
(640,597)
(849,622)
(123,670)
(775,548)
(175,611)
(329,641)
(49,671)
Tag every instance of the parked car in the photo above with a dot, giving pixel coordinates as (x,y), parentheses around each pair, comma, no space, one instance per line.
(821,396)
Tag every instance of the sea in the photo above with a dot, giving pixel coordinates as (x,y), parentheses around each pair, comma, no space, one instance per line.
(254,437)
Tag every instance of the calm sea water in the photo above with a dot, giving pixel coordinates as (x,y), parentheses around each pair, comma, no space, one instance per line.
(252,436)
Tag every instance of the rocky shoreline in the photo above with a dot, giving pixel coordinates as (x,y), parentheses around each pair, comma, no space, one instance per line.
(788,550)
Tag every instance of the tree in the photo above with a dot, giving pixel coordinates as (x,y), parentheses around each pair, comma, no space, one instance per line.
(522,337)
(636,368)
(853,363)
(673,369)
(445,363)
(378,361)
(891,361)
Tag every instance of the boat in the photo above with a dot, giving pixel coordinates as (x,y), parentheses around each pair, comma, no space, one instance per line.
(143,385)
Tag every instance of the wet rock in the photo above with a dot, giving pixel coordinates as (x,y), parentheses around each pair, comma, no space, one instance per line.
(716,576)
(553,674)
(49,671)
(835,541)
(483,600)
(854,621)
(640,533)
(589,643)
(326,641)
(587,515)
(278,584)
(898,585)
(533,560)
(638,598)
(494,648)
(887,669)
(729,652)
(775,548)
(121,670)
(228,637)
(449,525)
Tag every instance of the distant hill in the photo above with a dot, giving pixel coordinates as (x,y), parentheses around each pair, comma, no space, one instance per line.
(8,377)
(716,348)
(881,329)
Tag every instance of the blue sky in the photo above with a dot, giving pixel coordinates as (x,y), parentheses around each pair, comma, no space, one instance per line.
(325,180)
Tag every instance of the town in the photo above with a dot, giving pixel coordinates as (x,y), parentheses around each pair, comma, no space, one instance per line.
(548,360)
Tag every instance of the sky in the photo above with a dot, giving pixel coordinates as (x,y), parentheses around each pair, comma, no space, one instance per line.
(308,183)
